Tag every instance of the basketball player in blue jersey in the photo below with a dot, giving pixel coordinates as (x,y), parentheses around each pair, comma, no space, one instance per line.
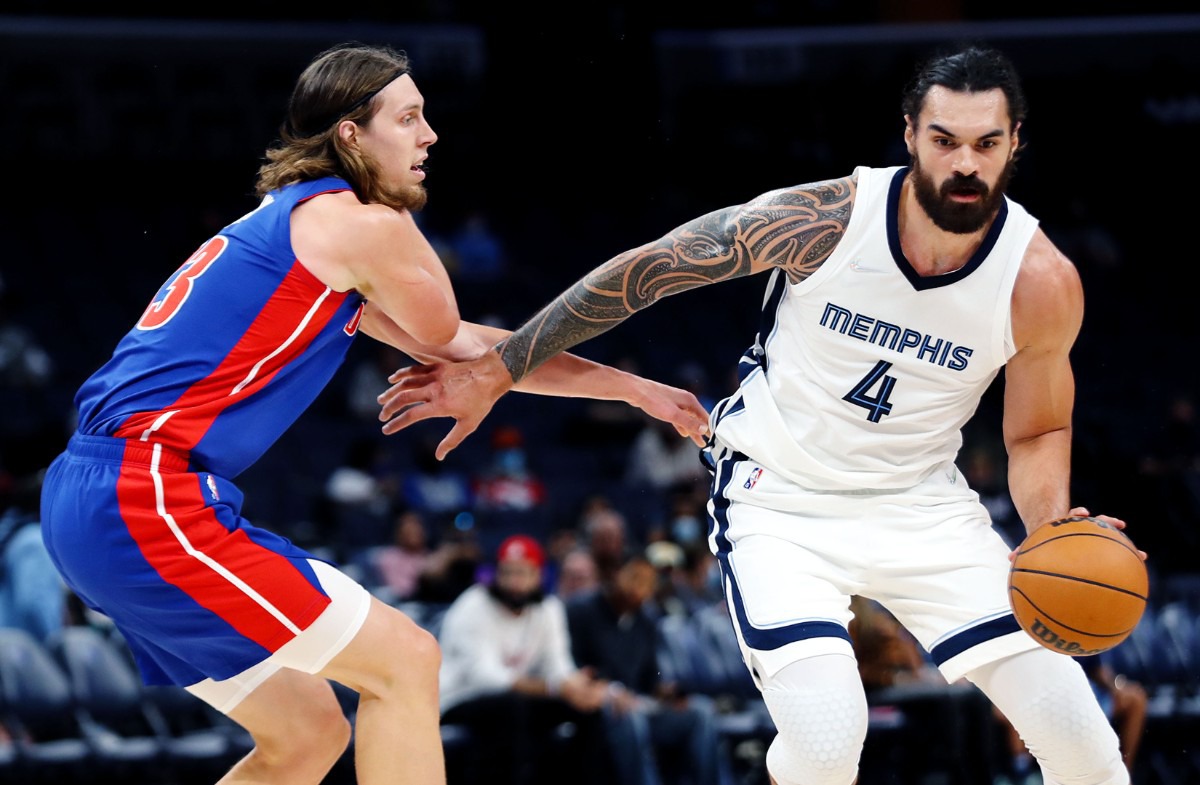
(895,296)
(141,514)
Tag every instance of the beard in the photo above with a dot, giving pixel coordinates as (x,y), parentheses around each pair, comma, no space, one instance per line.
(959,217)
(406,197)
(515,601)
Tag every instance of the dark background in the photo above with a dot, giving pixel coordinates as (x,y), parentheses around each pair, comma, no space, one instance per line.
(584,130)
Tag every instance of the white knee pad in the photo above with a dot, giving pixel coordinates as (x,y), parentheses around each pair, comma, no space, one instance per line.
(1048,700)
(820,715)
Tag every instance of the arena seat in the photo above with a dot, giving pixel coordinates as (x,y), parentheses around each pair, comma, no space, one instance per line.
(40,712)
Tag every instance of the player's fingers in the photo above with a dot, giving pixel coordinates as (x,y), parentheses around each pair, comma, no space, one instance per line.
(395,400)
(460,431)
(410,372)
(1083,512)
(415,413)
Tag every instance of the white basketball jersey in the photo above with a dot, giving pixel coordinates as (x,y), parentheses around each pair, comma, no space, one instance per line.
(863,375)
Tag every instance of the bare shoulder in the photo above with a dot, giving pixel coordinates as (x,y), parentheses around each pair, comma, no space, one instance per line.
(332,234)
(797,227)
(1048,295)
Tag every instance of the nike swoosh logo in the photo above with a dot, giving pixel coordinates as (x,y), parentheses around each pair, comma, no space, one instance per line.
(859,267)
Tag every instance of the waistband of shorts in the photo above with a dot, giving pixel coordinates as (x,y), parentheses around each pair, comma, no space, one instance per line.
(113,450)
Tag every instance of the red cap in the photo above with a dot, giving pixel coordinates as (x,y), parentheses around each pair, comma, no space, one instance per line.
(521,548)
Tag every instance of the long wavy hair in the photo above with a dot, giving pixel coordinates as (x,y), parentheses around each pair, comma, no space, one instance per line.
(339,84)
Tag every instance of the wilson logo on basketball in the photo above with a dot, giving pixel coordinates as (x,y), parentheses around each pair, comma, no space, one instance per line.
(1052,639)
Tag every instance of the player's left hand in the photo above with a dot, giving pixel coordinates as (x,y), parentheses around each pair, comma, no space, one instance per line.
(678,407)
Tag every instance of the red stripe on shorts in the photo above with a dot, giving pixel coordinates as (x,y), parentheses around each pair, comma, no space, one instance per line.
(229,557)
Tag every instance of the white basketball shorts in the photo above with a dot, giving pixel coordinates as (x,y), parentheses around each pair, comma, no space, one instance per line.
(791,558)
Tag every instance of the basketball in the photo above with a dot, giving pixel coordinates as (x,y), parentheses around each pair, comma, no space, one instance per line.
(1078,586)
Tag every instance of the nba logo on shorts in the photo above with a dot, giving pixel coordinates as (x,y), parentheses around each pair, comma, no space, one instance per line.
(753,478)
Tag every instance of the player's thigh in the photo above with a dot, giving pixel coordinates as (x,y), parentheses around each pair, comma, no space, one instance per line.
(292,708)
(774,581)
(786,601)
(389,650)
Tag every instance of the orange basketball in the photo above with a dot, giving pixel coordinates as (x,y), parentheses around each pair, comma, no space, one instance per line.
(1078,586)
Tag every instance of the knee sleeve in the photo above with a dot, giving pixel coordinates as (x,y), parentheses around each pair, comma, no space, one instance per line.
(1047,698)
(820,715)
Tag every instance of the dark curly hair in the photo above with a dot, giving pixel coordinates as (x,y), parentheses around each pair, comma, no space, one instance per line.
(973,69)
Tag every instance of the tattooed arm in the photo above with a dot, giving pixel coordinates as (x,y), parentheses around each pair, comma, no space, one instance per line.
(793,230)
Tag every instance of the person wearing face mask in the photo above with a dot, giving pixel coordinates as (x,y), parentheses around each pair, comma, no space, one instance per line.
(507,675)
(508,483)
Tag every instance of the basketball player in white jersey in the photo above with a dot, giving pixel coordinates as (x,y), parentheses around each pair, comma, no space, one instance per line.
(895,296)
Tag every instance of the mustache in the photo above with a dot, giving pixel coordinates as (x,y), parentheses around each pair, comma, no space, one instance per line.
(964,184)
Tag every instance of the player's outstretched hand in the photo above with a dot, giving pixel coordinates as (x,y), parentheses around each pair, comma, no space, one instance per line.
(678,407)
(464,391)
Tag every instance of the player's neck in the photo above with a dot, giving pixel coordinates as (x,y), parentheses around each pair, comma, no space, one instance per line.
(929,249)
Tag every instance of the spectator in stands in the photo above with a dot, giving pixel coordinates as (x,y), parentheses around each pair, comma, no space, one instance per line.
(399,565)
(577,574)
(451,567)
(654,728)
(660,460)
(362,480)
(508,675)
(691,577)
(32,594)
(667,559)
(360,495)
(607,538)
(507,483)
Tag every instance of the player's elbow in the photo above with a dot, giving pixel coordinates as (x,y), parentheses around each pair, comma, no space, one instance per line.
(435,323)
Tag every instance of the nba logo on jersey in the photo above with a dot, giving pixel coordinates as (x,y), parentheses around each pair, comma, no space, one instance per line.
(755,473)
(212,488)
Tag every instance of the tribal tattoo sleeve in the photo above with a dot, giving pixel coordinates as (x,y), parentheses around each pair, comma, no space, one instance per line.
(794,229)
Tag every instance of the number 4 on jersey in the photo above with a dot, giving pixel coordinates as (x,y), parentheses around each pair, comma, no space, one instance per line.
(877,405)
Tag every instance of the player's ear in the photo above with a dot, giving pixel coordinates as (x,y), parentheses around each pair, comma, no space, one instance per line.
(347,130)
(1016,139)
(910,134)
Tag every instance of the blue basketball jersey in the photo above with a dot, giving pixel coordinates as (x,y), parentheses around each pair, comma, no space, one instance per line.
(235,345)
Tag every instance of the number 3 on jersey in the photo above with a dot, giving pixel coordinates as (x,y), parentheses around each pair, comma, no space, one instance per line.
(877,405)
(175,291)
